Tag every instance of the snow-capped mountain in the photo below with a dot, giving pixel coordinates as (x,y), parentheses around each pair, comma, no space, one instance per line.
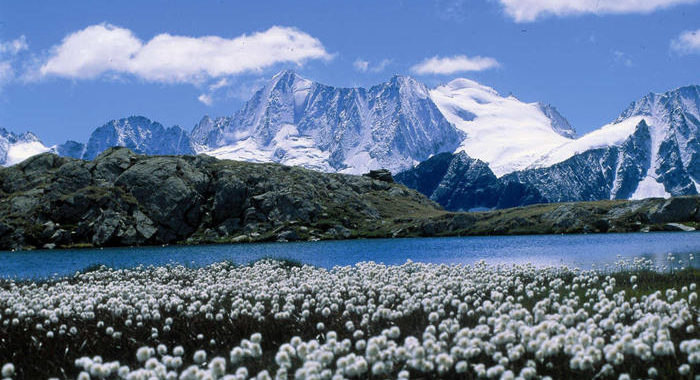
(459,182)
(497,149)
(610,172)
(666,150)
(674,120)
(504,132)
(651,150)
(295,121)
(138,134)
(16,148)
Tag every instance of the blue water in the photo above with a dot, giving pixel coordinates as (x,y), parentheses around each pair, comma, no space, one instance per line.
(583,251)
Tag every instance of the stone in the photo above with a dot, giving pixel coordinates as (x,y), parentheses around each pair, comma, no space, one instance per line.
(241,239)
(383,175)
(678,227)
(229,197)
(168,190)
(105,227)
(144,225)
(288,235)
(675,210)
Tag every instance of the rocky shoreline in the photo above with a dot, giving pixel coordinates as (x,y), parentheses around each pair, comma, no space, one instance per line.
(124,199)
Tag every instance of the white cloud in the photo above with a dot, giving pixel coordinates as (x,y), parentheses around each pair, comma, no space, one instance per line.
(223,82)
(13,47)
(622,58)
(455,64)
(6,72)
(687,43)
(364,66)
(8,52)
(206,99)
(531,10)
(105,48)
(361,65)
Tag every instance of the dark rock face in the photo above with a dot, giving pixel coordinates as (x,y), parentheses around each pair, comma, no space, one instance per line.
(467,184)
(70,148)
(460,183)
(122,198)
(676,111)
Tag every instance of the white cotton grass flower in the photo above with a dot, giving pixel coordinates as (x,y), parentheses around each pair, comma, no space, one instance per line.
(8,370)
(178,351)
(200,356)
(144,353)
(411,320)
(217,366)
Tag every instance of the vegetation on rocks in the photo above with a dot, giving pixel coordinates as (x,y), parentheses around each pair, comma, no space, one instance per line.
(122,198)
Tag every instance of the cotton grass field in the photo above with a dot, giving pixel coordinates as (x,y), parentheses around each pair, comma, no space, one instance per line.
(281,320)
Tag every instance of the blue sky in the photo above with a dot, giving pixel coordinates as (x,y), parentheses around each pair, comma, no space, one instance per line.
(589,58)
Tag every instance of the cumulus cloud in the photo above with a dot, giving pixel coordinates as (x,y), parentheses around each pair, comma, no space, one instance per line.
(455,64)
(105,48)
(687,43)
(531,10)
(364,66)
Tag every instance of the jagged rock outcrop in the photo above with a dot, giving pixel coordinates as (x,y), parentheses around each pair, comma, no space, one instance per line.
(381,175)
(122,198)
(559,122)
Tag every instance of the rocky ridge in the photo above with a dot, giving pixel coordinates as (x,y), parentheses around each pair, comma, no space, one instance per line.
(122,198)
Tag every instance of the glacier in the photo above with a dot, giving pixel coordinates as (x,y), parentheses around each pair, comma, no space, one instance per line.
(15,148)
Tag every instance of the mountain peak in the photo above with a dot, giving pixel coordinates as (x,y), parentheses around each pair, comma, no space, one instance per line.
(559,122)
(288,75)
(464,83)
(661,105)
(140,134)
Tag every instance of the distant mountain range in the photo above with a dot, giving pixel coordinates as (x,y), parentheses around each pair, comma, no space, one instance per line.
(461,144)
